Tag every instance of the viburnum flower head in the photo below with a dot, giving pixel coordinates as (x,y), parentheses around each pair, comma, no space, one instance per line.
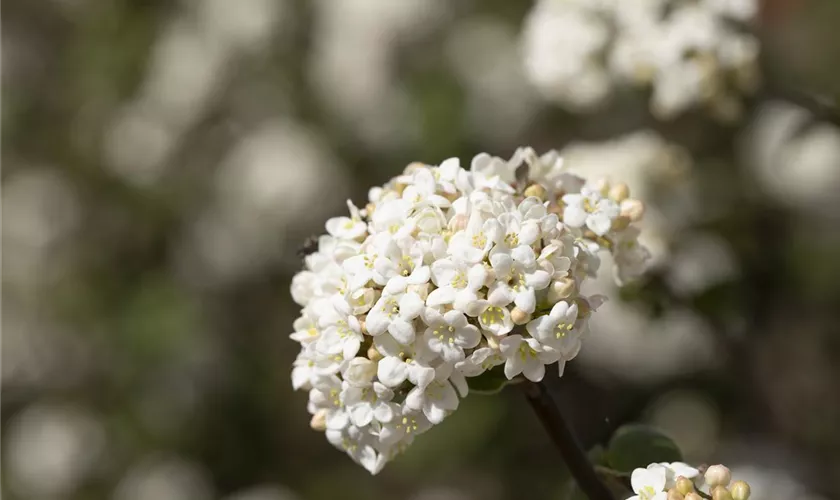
(445,274)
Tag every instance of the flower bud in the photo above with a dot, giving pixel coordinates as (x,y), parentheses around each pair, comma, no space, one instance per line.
(519,316)
(721,493)
(693,496)
(536,190)
(601,185)
(717,475)
(673,494)
(556,208)
(740,490)
(561,289)
(633,209)
(620,222)
(684,485)
(319,420)
(620,192)
(369,208)
(363,325)
(373,354)
(458,223)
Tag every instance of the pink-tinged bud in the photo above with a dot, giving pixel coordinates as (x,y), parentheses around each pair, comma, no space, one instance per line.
(537,191)
(693,496)
(633,209)
(319,420)
(458,223)
(740,490)
(684,485)
(620,192)
(519,316)
(717,475)
(673,494)
(373,354)
(721,493)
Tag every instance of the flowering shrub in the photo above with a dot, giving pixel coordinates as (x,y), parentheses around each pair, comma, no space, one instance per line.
(690,54)
(445,274)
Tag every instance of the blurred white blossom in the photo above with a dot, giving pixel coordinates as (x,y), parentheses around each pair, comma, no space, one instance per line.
(40,210)
(794,160)
(484,55)
(50,449)
(352,63)
(272,182)
(264,492)
(161,476)
(188,67)
(772,483)
(691,54)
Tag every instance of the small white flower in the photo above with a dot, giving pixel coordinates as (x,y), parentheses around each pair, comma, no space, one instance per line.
(366,404)
(648,484)
(345,337)
(591,209)
(494,318)
(675,470)
(481,360)
(526,356)
(393,371)
(449,334)
(557,328)
(472,244)
(437,399)
(359,372)
(517,278)
(325,396)
(404,427)
(395,313)
(303,371)
(457,283)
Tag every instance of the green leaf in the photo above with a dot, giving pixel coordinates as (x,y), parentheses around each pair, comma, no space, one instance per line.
(637,445)
(489,382)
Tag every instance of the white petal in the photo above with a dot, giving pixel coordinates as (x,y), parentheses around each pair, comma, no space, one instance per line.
(599,224)
(442,272)
(534,371)
(524,255)
(376,322)
(539,279)
(402,331)
(411,305)
(392,371)
(419,276)
(476,277)
(441,296)
(421,376)
(574,215)
(415,398)
(529,233)
(526,300)
(361,415)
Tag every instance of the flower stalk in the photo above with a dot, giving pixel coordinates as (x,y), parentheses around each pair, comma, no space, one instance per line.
(575,457)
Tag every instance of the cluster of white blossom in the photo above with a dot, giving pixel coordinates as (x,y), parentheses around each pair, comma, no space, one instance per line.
(445,274)
(679,481)
(691,53)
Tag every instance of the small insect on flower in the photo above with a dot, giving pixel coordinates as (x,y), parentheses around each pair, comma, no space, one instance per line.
(308,247)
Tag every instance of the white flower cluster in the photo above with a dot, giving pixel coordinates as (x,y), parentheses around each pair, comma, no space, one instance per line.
(654,481)
(424,287)
(692,53)
(679,481)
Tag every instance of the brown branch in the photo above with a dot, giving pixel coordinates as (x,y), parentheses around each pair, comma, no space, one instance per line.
(574,456)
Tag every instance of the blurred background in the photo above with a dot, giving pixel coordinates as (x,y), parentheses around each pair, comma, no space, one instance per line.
(163,161)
